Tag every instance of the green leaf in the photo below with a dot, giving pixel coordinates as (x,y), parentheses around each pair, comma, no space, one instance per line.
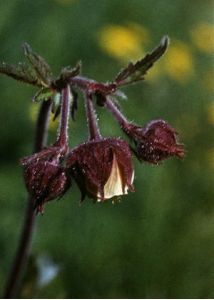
(40,66)
(136,71)
(68,72)
(22,72)
(36,73)
(43,95)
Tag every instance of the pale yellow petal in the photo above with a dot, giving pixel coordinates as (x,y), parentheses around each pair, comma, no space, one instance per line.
(114,184)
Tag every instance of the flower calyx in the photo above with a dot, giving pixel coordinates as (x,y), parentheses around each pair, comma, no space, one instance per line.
(102,168)
(155,142)
(45,178)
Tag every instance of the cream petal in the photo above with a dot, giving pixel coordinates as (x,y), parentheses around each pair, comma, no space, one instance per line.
(114,184)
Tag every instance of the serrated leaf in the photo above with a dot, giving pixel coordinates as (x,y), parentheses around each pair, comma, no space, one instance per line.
(22,72)
(43,95)
(68,72)
(65,75)
(38,63)
(136,71)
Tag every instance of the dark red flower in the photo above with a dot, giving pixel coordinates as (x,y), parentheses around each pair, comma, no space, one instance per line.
(102,168)
(45,179)
(155,142)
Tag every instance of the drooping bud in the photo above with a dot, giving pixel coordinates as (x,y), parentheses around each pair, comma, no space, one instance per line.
(155,142)
(102,168)
(44,178)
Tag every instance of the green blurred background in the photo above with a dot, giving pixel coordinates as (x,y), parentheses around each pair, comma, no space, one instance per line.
(159,241)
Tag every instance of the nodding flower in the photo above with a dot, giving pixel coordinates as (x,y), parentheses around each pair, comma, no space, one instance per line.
(45,178)
(155,142)
(102,168)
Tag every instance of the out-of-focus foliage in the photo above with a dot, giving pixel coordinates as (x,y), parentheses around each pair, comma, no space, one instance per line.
(159,241)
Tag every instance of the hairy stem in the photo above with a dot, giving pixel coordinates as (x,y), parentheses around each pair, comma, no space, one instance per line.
(94,133)
(92,86)
(64,119)
(122,120)
(23,249)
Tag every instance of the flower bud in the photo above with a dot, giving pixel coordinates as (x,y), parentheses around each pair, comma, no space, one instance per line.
(45,179)
(155,142)
(102,168)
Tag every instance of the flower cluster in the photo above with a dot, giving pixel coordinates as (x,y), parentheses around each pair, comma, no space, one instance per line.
(102,166)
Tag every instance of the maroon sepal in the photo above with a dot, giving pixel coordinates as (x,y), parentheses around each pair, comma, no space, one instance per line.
(102,168)
(45,178)
(155,142)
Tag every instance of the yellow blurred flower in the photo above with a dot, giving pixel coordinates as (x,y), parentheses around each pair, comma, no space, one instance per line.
(123,42)
(33,112)
(210,113)
(139,30)
(179,61)
(203,37)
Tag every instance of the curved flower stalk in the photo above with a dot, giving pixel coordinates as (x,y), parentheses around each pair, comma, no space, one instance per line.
(23,249)
(45,177)
(154,143)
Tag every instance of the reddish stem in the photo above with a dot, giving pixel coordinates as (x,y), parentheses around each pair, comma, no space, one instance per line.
(22,253)
(62,139)
(122,120)
(92,86)
(94,133)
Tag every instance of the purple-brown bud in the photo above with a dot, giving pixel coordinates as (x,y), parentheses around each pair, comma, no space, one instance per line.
(44,178)
(102,168)
(155,142)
